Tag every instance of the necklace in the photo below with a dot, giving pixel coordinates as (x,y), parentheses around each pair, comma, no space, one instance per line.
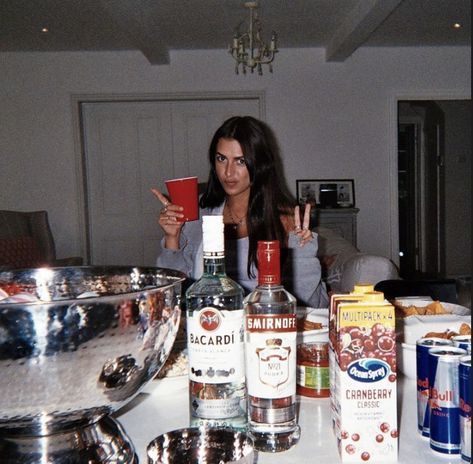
(238,222)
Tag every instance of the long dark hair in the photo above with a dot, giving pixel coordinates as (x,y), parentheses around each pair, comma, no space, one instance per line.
(269,196)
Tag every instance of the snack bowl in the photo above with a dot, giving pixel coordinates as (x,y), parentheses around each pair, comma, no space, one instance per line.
(318,315)
(410,328)
(194,444)
(412,300)
(312,317)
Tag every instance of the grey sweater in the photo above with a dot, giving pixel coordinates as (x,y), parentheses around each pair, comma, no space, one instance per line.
(301,273)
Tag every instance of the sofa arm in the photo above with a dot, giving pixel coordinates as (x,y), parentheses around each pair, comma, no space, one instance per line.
(364,268)
(360,268)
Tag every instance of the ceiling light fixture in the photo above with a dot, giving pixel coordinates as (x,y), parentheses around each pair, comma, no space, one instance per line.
(249,49)
(44,29)
(457,26)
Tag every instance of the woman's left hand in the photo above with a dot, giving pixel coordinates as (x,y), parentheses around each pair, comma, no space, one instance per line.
(304,233)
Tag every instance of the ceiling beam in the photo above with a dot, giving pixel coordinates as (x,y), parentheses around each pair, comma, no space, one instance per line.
(357,27)
(129,17)
(155,54)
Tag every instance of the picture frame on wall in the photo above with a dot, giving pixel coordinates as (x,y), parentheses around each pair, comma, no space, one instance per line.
(326,193)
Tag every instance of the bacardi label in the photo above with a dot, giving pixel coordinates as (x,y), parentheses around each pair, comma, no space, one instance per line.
(215,344)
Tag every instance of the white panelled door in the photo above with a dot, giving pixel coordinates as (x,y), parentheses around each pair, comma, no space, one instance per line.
(130,147)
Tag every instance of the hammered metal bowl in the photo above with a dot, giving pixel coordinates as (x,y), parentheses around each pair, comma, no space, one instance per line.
(78,343)
(201,445)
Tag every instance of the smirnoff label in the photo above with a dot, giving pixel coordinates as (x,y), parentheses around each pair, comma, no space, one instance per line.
(215,344)
(271,323)
(271,355)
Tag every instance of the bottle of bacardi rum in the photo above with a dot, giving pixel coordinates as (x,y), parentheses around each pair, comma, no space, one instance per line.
(270,346)
(215,338)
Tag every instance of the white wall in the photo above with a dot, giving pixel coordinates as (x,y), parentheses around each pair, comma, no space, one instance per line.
(333,120)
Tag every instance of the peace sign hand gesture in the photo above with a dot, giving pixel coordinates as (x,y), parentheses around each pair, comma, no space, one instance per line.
(303,233)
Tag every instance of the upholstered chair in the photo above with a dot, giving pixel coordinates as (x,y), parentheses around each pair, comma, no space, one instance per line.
(26,240)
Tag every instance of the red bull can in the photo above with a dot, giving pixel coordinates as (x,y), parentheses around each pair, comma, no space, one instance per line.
(464,377)
(423,346)
(444,399)
(463,341)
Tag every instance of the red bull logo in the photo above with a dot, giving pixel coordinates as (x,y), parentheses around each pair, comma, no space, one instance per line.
(441,397)
(423,383)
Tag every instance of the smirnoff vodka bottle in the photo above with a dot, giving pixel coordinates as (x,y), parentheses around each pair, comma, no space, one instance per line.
(270,347)
(215,334)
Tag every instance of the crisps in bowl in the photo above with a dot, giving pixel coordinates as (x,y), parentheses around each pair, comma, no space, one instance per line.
(437,317)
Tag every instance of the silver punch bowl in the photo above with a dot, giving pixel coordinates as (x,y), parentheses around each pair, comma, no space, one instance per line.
(76,344)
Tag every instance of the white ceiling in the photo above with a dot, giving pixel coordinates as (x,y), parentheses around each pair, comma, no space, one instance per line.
(156,27)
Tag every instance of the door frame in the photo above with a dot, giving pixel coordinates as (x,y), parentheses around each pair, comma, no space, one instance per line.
(79,147)
(393,101)
(419,225)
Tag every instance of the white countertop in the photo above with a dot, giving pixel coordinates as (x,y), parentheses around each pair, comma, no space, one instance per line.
(165,408)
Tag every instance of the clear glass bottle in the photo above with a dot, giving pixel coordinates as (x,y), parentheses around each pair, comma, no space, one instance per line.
(270,348)
(215,338)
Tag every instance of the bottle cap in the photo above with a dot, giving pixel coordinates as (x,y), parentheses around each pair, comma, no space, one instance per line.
(374,296)
(362,288)
(269,268)
(212,238)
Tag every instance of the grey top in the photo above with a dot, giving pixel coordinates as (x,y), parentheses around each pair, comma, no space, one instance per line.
(300,275)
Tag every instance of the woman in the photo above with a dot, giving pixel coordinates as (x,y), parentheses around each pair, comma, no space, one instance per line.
(246,186)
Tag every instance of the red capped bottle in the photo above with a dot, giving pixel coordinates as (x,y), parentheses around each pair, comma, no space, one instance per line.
(270,349)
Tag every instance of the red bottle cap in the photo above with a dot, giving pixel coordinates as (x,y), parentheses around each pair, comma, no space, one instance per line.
(269,268)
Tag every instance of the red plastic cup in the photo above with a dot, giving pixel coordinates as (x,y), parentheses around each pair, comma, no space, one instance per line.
(183,192)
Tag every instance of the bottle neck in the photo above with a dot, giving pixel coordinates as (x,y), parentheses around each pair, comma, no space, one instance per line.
(269,269)
(214,265)
(269,274)
(272,287)
(269,280)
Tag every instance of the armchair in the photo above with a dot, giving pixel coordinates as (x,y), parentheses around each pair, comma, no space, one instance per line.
(26,240)
(343,265)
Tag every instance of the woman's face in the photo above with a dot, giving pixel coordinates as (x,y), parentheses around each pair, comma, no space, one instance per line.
(231,168)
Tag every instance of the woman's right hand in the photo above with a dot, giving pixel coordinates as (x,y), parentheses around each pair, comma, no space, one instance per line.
(168,220)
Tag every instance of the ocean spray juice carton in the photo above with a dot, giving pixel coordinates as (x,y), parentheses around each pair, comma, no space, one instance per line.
(359,290)
(365,415)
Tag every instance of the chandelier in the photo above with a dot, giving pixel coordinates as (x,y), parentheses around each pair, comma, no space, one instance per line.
(249,49)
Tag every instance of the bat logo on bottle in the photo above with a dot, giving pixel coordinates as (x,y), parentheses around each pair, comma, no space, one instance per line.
(210,319)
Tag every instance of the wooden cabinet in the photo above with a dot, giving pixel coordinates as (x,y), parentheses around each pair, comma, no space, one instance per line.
(341,220)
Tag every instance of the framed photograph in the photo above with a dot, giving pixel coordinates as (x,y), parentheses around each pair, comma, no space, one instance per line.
(326,193)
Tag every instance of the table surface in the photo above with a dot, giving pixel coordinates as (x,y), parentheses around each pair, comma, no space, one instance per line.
(164,407)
